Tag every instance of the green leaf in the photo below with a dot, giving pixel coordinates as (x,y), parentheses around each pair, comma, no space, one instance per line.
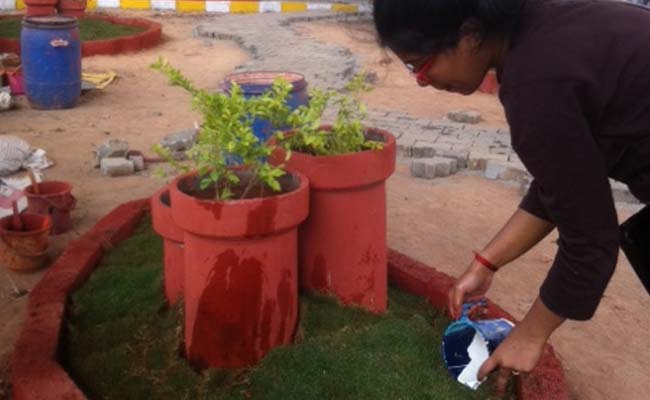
(226,193)
(226,130)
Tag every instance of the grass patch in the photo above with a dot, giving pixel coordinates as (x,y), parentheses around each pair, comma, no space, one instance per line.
(89,29)
(122,343)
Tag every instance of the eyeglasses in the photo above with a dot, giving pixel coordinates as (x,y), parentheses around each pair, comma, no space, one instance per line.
(421,73)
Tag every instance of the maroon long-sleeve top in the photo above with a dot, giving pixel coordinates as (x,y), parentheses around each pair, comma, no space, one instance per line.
(575,85)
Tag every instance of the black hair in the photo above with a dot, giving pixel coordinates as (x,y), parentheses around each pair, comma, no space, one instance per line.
(432,26)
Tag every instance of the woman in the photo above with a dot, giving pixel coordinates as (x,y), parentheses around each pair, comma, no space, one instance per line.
(575,85)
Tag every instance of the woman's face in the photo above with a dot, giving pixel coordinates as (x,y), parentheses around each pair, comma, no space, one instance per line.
(459,70)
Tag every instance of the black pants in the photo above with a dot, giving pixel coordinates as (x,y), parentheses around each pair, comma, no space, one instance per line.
(635,242)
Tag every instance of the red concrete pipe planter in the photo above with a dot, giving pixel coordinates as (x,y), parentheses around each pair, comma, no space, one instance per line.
(150,37)
(54,199)
(36,373)
(241,271)
(41,3)
(173,250)
(34,11)
(343,241)
(72,8)
(40,7)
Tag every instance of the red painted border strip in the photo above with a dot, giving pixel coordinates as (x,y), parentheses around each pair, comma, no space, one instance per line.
(546,382)
(143,40)
(37,375)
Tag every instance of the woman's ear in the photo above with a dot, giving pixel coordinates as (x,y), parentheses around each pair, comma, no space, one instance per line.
(472,34)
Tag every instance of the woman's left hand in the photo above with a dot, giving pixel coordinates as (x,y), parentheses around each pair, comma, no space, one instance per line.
(521,350)
(517,354)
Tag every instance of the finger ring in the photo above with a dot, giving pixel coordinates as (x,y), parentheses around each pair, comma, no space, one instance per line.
(514,372)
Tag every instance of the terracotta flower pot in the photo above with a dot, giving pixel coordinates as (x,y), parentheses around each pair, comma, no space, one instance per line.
(54,199)
(343,241)
(24,250)
(173,251)
(241,278)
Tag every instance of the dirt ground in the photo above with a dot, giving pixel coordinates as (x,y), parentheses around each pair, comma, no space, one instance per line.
(438,222)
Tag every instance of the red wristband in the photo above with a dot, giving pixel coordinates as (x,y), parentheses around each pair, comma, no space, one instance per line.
(485,262)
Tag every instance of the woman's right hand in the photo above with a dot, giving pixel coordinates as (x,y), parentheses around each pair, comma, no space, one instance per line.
(473,284)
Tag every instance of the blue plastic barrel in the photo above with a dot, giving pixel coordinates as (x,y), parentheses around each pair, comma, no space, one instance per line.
(256,83)
(51,58)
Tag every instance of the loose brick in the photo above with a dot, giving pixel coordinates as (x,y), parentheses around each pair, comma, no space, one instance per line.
(418,168)
(494,169)
(459,156)
(439,167)
(422,150)
(465,116)
(117,167)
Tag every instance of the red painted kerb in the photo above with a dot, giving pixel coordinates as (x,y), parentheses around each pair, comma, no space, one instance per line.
(37,374)
(150,37)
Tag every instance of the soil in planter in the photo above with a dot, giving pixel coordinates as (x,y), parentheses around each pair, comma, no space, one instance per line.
(258,189)
(370,136)
(121,342)
(89,29)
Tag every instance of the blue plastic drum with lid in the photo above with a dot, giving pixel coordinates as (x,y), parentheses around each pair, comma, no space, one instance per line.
(51,59)
(256,83)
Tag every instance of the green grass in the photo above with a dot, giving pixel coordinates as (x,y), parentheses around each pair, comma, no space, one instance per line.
(89,29)
(122,343)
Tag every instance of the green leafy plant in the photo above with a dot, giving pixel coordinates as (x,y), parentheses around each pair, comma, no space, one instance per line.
(226,138)
(346,135)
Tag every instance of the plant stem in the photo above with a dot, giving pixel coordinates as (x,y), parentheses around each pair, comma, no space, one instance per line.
(250,183)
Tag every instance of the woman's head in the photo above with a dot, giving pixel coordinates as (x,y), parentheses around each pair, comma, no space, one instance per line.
(451,42)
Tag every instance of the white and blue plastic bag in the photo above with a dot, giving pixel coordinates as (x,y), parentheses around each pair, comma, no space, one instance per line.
(467,344)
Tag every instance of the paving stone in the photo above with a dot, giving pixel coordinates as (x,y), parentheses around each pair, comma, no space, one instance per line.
(453,165)
(117,166)
(138,162)
(422,150)
(476,154)
(513,157)
(403,150)
(465,116)
(418,168)
(525,184)
(453,139)
(477,164)
(500,150)
(180,141)
(439,167)
(460,157)
(494,169)
(513,172)
(111,148)
(439,147)
(429,168)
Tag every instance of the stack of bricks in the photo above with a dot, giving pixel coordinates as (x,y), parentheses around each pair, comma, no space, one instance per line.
(442,148)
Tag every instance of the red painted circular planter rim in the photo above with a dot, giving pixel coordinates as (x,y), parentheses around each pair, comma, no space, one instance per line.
(289,209)
(143,40)
(332,172)
(161,216)
(37,373)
